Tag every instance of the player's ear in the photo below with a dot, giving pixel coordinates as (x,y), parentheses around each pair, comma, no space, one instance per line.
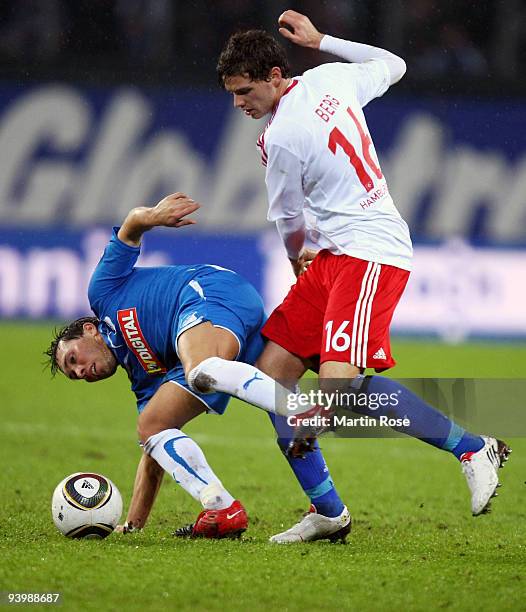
(89,329)
(275,75)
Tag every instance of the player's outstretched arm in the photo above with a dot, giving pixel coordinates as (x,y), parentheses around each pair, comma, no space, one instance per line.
(171,211)
(147,482)
(299,29)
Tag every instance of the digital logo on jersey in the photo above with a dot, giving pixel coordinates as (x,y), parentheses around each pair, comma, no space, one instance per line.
(136,342)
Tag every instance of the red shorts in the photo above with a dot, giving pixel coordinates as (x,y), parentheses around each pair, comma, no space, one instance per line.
(340,309)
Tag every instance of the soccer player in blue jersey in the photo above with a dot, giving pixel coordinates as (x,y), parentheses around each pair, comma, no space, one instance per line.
(160,324)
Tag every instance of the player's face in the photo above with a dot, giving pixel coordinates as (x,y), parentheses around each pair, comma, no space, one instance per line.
(86,358)
(254,98)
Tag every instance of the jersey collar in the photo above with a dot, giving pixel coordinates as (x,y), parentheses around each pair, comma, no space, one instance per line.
(291,86)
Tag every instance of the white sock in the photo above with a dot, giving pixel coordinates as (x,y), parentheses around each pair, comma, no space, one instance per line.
(241,380)
(182,458)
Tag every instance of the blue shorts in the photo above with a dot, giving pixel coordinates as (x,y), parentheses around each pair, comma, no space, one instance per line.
(227,300)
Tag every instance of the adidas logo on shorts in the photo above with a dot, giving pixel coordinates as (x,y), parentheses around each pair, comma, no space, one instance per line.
(380,354)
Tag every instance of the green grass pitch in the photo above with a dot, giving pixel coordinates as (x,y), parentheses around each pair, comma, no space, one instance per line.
(414,543)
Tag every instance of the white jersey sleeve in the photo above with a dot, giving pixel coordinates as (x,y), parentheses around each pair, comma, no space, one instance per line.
(369,79)
(359,53)
(285,195)
(284,184)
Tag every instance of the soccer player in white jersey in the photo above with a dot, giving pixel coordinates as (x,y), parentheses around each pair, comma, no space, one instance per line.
(325,184)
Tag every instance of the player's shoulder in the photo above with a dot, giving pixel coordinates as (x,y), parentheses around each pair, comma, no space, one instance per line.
(286,128)
(291,119)
(329,71)
(344,74)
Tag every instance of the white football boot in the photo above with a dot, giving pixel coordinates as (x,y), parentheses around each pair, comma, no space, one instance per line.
(481,471)
(314,526)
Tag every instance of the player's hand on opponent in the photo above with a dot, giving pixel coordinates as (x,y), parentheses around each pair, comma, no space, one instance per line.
(301,264)
(172,211)
(308,426)
(299,29)
(299,447)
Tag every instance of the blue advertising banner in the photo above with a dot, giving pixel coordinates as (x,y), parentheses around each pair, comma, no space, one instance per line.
(45,273)
(81,157)
(76,160)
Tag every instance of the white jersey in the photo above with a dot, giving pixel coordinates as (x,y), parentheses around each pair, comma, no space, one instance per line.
(320,160)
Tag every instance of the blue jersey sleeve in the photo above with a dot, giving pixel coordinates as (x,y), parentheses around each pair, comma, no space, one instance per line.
(113,269)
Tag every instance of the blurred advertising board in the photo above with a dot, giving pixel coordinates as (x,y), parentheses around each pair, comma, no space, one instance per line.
(455,291)
(75,160)
(79,157)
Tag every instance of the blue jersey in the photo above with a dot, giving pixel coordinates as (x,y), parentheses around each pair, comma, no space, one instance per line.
(143,311)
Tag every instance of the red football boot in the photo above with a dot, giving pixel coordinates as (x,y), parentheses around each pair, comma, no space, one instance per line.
(228,523)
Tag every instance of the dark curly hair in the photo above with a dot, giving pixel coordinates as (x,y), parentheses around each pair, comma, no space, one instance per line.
(254,52)
(68,332)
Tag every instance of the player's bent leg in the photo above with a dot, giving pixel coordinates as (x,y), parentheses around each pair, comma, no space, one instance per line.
(328,517)
(315,479)
(203,341)
(280,364)
(333,373)
(170,407)
(208,353)
(481,457)
(216,373)
(425,422)
(239,379)
(159,429)
(244,381)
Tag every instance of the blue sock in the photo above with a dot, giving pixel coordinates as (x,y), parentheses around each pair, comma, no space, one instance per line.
(312,473)
(467,444)
(426,423)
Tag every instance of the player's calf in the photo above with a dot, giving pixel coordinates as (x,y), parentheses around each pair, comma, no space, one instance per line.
(184,460)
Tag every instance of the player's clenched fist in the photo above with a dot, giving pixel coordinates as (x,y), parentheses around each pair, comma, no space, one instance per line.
(299,29)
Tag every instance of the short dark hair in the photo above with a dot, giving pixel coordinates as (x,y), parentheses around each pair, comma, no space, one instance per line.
(68,332)
(254,52)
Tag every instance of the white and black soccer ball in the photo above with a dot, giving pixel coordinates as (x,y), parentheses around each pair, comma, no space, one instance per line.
(86,505)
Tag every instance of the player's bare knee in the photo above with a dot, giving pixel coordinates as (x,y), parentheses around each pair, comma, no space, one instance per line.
(146,428)
(142,433)
(330,386)
(335,386)
(203,377)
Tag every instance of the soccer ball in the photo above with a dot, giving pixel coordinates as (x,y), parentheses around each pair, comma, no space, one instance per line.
(86,505)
